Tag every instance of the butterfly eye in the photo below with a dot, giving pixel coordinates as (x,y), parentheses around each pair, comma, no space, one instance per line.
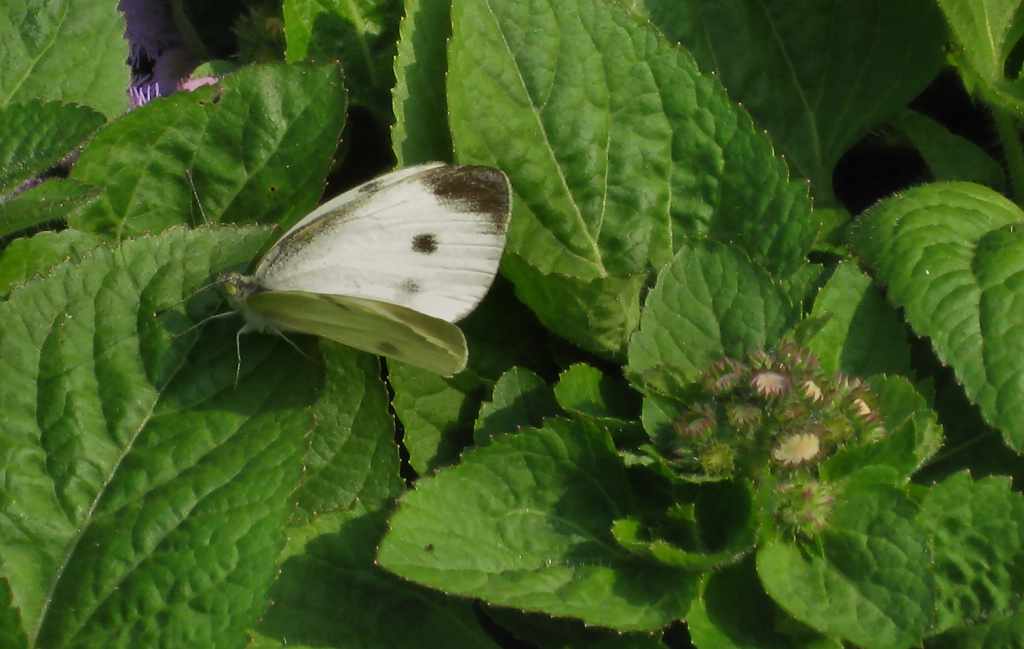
(425,243)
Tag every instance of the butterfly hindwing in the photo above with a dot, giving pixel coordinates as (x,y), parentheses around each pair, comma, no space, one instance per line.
(428,238)
(376,327)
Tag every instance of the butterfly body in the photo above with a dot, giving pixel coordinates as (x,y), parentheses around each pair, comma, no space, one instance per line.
(387,267)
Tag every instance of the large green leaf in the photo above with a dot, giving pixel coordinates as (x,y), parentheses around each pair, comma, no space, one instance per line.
(353,456)
(871,582)
(64,50)
(952,256)
(978,546)
(617,149)
(146,488)
(986,32)
(359,35)
(331,593)
(420,133)
(257,147)
(862,334)
(710,302)
(35,135)
(28,257)
(526,522)
(50,201)
(818,74)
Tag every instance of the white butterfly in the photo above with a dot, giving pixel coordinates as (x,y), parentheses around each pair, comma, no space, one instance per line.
(387,267)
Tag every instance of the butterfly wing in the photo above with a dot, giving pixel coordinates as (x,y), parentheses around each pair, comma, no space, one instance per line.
(427,238)
(376,327)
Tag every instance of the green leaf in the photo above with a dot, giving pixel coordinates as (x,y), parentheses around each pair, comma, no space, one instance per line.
(10,634)
(587,391)
(353,454)
(49,201)
(545,632)
(715,530)
(872,582)
(985,38)
(35,135)
(985,31)
(863,334)
(257,147)
(951,255)
(359,35)
(437,415)
(734,612)
(526,522)
(817,75)
(29,257)
(1002,633)
(606,401)
(598,315)
(421,133)
(667,390)
(64,50)
(835,226)
(331,594)
(711,301)
(949,156)
(978,546)
(913,437)
(143,483)
(520,399)
(617,150)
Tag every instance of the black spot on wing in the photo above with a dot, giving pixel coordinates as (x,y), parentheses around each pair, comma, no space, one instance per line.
(480,190)
(425,243)
(411,286)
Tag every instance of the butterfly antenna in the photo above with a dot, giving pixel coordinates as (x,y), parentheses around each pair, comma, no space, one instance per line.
(195,196)
(238,355)
(195,293)
(199,204)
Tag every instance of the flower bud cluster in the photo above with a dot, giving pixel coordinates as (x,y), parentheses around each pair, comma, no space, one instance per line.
(804,504)
(773,418)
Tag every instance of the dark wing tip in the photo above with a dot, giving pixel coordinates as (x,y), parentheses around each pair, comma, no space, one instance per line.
(477,189)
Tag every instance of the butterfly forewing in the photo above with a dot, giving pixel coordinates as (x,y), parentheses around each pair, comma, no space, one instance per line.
(376,327)
(428,238)
(361,191)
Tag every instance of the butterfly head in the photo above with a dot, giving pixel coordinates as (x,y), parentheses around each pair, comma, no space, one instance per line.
(237,287)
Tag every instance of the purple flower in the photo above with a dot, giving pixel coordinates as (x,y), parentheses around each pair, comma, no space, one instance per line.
(160,60)
(149,29)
